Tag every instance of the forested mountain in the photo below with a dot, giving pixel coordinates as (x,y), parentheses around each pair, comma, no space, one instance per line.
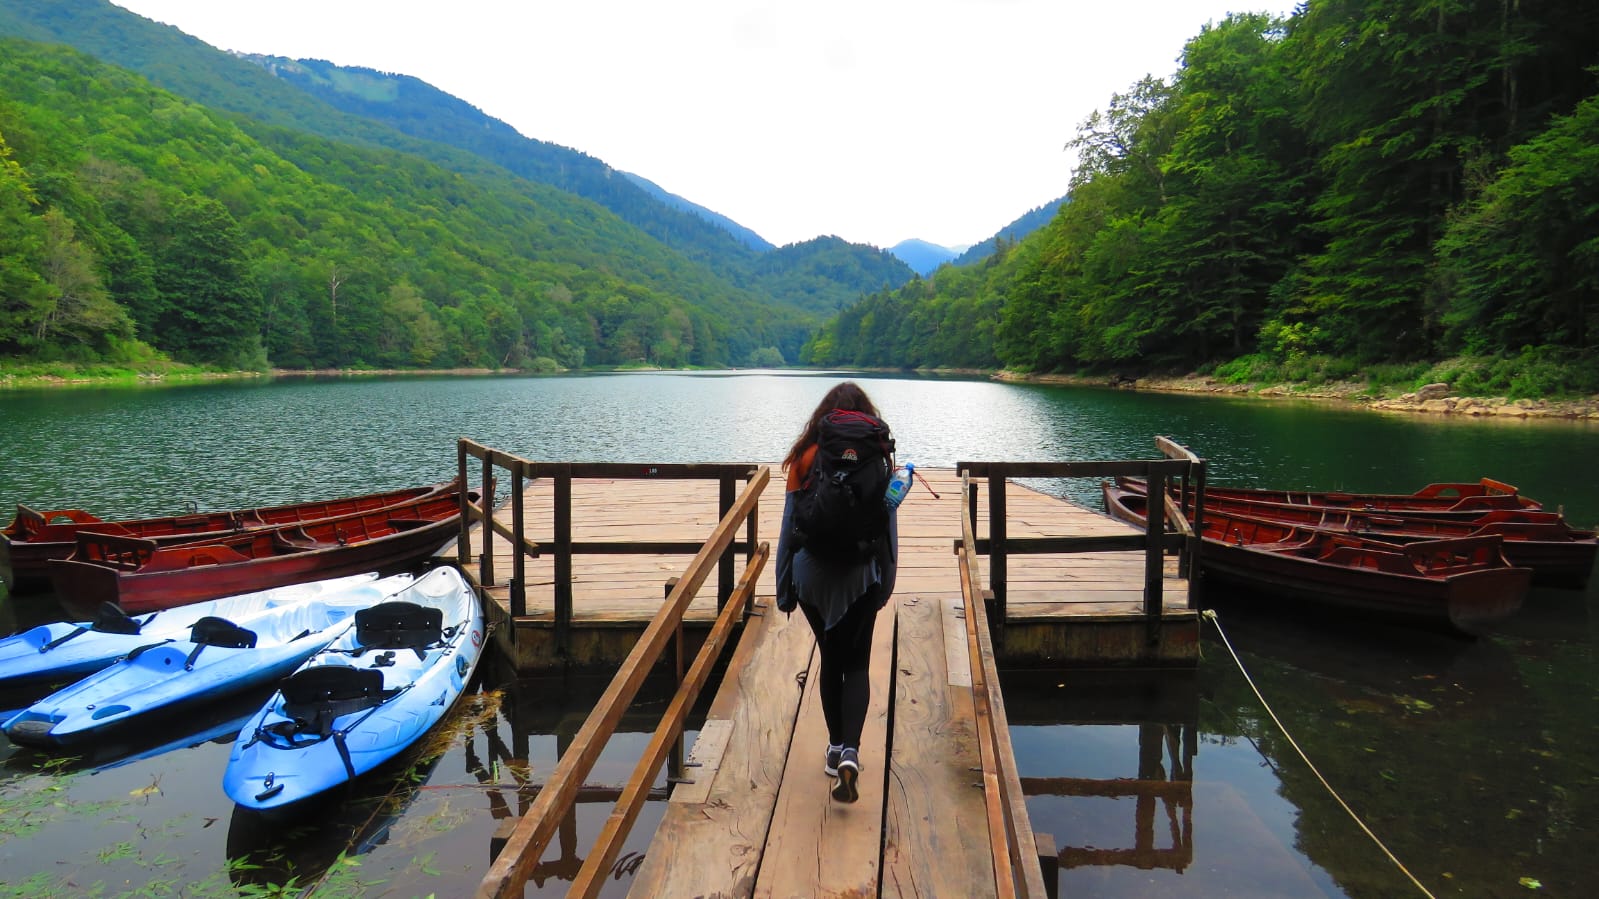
(1366,182)
(710,263)
(922,256)
(1027,223)
(791,276)
(129,215)
(744,235)
(416,108)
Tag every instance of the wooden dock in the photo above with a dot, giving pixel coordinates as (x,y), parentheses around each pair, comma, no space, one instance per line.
(940,809)
(1062,608)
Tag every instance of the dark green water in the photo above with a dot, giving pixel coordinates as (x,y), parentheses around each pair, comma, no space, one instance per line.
(1473,762)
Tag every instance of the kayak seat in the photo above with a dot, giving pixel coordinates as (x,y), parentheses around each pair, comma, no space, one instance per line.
(314,697)
(110,619)
(214,631)
(399,625)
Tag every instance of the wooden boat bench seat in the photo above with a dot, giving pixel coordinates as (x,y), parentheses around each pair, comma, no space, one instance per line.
(297,540)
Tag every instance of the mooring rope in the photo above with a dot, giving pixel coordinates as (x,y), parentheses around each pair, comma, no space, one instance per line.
(1211,615)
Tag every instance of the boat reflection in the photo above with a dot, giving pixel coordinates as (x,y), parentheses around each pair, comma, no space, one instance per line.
(161,732)
(302,844)
(419,823)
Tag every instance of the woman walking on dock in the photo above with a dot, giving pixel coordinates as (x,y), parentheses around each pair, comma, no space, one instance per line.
(836,559)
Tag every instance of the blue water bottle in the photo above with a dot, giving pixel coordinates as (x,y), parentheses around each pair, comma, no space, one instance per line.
(899,485)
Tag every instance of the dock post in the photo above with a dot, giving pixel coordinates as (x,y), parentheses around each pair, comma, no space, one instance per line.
(1155,554)
(1049,863)
(463,545)
(563,559)
(996,554)
(724,566)
(486,504)
(674,764)
(518,555)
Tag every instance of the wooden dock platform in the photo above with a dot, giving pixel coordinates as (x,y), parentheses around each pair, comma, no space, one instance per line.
(1062,609)
(941,809)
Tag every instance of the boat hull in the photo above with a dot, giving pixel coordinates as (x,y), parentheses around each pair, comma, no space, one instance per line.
(1460,585)
(34,539)
(1451,501)
(1559,555)
(164,675)
(280,759)
(62,651)
(140,577)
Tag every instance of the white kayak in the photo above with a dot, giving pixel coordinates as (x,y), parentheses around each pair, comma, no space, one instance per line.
(63,651)
(364,699)
(216,657)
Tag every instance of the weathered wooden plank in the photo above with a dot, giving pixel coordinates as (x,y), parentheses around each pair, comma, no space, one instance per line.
(820,847)
(714,847)
(933,807)
(703,761)
(956,661)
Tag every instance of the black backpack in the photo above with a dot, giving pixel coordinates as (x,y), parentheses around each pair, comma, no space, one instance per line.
(839,514)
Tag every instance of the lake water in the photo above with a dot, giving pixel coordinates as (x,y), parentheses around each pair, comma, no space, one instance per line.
(1473,762)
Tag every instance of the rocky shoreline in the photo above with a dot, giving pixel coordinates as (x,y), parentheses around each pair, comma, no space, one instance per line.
(1433,399)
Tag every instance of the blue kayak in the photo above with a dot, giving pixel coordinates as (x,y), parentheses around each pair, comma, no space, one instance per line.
(216,657)
(65,651)
(365,698)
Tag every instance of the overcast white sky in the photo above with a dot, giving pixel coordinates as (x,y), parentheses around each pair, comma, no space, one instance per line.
(875,120)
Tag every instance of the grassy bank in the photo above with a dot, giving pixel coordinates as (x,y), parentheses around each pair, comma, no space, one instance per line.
(66,374)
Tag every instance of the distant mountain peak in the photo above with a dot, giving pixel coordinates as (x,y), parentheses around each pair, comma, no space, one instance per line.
(923,257)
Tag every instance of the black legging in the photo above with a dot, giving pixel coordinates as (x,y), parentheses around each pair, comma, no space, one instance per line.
(844,679)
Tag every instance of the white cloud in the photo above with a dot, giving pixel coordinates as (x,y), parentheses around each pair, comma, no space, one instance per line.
(875,121)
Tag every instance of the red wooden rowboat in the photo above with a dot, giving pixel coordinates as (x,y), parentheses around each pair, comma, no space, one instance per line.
(34,538)
(1459,584)
(1460,501)
(1558,554)
(141,575)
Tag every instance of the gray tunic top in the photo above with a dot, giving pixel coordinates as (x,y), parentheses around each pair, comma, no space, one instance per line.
(828,587)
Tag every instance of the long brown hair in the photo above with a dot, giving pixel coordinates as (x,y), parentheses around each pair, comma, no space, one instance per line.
(844,395)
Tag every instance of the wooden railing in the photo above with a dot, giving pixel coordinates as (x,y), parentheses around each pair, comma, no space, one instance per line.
(1179,465)
(1191,494)
(1016,851)
(1017,871)
(509,873)
(517,471)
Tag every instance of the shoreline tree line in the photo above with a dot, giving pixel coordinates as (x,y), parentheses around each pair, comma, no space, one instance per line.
(1365,187)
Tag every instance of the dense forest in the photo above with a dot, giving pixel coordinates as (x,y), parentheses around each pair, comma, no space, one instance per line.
(133,218)
(1366,184)
(260,225)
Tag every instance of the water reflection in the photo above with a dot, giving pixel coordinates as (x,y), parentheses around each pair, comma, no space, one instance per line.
(1088,743)
(1474,760)
(491,756)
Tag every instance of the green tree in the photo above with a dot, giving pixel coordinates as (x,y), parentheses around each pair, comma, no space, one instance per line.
(24,295)
(79,308)
(1521,265)
(213,307)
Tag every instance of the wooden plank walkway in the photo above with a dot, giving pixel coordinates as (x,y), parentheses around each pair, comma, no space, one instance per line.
(757,818)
